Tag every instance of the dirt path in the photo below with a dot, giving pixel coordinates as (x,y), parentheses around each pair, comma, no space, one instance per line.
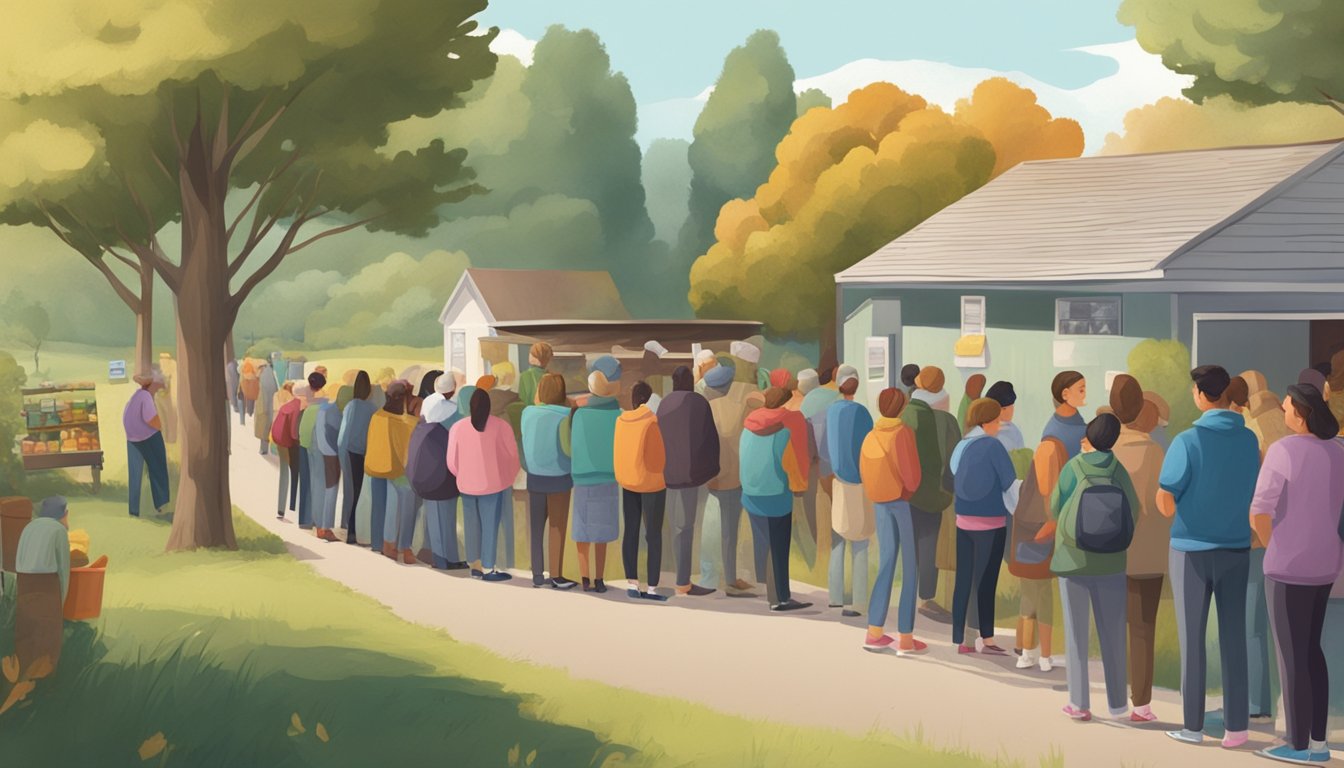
(733,655)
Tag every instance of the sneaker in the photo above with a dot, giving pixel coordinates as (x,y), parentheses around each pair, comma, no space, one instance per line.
(1142,714)
(1057,661)
(633,594)
(964,649)
(1319,752)
(1120,714)
(850,614)
(1284,753)
(1234,739)
(654,596)
(496,576)
(1045,664)
(599,586)
(915,648)
(538,581)
(562,584)
(587,584)
(477,574)
(1081,715)
(1027,659)
(695,590)
(1187,737)
(458,565)
(992,650)
(790,605)
(883,644)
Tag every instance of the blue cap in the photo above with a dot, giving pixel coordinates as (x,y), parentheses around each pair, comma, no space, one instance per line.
(53,507)
(719,377)
(608,366)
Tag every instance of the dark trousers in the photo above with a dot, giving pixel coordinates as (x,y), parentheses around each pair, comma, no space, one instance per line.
(1144,595)
(1197,580)
(926,550)
(354,485)
(1297,617)
(296,473)
(979,554)
(781,537)
(548,511)
(147,456)
(648,507)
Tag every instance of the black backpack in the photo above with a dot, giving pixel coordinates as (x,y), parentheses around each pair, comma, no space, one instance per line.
(427,463)
(1103,522)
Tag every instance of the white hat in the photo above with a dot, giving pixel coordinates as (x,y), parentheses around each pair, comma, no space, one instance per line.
(655,348)
(704,356)
(846,373)
(808,380)
(744,350)
(444,384)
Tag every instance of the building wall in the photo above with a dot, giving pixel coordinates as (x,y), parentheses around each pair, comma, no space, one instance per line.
(469,318)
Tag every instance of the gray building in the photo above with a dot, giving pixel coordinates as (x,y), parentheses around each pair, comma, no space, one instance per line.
(1238,253)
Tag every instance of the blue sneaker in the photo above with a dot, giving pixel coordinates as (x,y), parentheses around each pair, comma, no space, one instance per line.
(1284,753)
(1319,754)
(1187,737)
(496,576)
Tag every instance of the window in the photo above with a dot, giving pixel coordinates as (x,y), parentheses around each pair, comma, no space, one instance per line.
(1097,316)
(972,315)
(458,353)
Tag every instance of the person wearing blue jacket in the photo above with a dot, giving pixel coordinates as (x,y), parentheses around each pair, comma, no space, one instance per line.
(983,475)
(852,519)
(1207,483)
(352,442)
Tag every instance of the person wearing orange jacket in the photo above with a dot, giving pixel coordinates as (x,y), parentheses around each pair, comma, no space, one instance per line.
(640,460)
(889,467)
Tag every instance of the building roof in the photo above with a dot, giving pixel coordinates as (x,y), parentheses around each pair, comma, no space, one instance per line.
(1113,217)
(677,336)
(518,295)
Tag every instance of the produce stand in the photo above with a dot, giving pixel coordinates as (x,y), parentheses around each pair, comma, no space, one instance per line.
(63,433)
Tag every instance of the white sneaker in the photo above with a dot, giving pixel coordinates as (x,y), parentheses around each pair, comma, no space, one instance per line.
(979,645)
(1046,664)
(1028,659)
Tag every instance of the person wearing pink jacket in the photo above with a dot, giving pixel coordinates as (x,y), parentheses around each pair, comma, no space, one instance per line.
(483,456)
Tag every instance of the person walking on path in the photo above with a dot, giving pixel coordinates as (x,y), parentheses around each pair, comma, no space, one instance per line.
(265,412)
(352,442)
(1094,506)
(427,470)
(249,388)
(1298,497)
(1146,562)
(387,448)
(597,520)
(936,435)
(728,404)
(984,477)
(145,451)
(639,464)
(847,424)
(231,383)
(310,503)
(285,437)
(769,473)
(691,445)
(1207,480)
(483,455)
(546,457)
(889,465)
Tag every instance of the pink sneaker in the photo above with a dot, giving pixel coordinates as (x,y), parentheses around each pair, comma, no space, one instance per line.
(1142,714)
(965,649)
(1081,715)
(1234,739)
(882,644)
(916,648)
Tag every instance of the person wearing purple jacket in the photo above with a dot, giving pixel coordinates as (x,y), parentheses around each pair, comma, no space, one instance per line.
(691,442)
(1296,509)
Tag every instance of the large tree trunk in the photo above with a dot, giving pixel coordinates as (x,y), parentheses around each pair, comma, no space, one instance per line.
(144,322)
(204,516)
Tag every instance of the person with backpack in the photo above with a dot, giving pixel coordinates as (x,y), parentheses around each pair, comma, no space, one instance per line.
(1146,560)
(639,463)
(483,456)
(427,471)
(597,502)
(769,473)
(1207,480)
(936,436)
(1094,506)
(984,484)
(285,437)
(691,443)
(546,458)
(1299,495)
(889,465)
(852,520)
(389,443)
(352,443)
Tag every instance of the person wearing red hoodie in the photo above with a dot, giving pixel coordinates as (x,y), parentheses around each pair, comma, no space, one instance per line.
(769,472)
(639,465)
(691,443)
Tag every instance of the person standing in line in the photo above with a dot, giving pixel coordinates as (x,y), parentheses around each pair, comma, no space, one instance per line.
(1207,480)
(310,504)
(231,382)
(769,472)
(597,519)
(639,465)
(352,442)
(889,465)
(847,424)
(387,446)
(539,356)
(936,435)
(1066,424)
(975,389)
(820,477)
(1159,433)
(728,404)
(265,413)
(983,475)
(691,445)
(326,436)
(145,452)
(1010,434)
(1094,508)
(1146,563)
(483,455)
(1264,411)
(249,389)
(546,454)
(427,470)
(285,437)
(1298,496)
(346,391)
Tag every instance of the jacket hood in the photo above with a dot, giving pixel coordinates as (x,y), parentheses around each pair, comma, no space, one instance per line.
(887,423)
(939,401)
(765,421)
(642,413)
(1255,382)
(440,410)
(1220,420)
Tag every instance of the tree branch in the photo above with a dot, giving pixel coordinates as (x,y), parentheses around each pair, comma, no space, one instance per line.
(259,232)
(283,249)
(336,230)
(137,266)
(123,292)
(245,143)
(221,138)
(271,178)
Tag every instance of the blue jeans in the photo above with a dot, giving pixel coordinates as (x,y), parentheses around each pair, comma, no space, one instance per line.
(306,488)
(399,521)
(378,512)
(441,527)
(148,454)
(895,535)
(480,515)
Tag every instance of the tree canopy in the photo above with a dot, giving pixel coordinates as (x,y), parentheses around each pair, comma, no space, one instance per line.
(1220,121)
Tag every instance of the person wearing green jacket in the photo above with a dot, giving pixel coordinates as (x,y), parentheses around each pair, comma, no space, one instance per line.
(597,501)
(936,435)
(1091,581)
(538,357)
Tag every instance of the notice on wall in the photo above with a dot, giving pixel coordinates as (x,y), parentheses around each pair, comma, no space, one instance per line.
(876,349)
(1063,353)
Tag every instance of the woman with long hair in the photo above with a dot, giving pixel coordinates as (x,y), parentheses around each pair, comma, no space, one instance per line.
(483,456)
(352,442)
(546,449)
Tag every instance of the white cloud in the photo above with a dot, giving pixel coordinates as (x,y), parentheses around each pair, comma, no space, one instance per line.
(1099,106)
(511,42)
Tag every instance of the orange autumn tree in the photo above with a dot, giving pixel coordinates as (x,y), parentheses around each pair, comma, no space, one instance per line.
(852,178)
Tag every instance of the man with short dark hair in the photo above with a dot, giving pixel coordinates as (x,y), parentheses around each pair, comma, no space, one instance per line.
(1207,482)
(691,442)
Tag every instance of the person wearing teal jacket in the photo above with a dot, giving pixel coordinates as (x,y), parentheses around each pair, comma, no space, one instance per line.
(1091,582)
(546,458)
(597,505)
(766,459)
(311,503)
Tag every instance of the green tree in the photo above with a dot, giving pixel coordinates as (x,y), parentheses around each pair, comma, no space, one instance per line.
(666,175)
(130,122)
(812,97)
(33,327)
(12,379)
(747,114)
(1255,51)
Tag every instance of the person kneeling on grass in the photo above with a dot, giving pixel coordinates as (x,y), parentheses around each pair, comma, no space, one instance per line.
(639,463)
(768,470)
(1093,508)
(483,456)
(889,464)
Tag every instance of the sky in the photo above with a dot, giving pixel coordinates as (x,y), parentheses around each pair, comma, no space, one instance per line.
(673,52)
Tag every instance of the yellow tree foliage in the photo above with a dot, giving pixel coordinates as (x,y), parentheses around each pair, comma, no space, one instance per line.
(849,180)
(1173,124)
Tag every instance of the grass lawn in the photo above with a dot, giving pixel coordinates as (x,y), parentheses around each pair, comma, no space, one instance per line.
(236,658)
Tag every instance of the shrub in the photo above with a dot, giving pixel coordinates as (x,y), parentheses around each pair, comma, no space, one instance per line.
(12,378)
(1163,366)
